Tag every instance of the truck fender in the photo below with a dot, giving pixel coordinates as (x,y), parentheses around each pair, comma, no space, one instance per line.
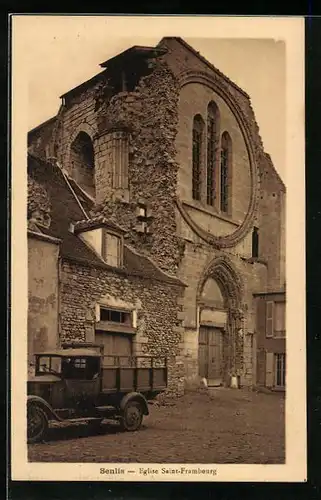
(135,396)
(51,414)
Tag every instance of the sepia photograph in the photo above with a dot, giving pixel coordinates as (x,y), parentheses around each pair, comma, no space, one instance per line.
(153,190)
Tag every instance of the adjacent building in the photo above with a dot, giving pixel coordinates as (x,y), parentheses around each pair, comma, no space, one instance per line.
(270,340)
(164,208)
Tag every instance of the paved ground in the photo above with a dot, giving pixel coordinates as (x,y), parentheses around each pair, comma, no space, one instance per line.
(227,426)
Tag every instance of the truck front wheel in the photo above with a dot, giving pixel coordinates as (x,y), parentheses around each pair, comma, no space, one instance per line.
(37,423)
(132,416)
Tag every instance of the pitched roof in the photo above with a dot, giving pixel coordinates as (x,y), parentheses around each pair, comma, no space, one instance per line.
(134,51)
(66,211)
(94,222)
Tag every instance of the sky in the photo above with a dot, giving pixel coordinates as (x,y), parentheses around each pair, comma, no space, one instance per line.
(62,52)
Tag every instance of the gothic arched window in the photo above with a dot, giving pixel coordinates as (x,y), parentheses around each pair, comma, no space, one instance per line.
(255,243)
(211,172)
(226,161)
(198,129)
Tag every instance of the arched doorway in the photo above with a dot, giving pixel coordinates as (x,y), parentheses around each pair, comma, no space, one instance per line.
(212,325)
(220,345)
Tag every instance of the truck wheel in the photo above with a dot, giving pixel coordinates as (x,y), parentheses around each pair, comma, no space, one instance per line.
(37,423)
(132,416)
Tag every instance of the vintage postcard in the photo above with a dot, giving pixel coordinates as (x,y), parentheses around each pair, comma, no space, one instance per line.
(158,248)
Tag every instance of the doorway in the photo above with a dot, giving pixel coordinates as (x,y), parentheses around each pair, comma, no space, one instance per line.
(115,344)
(211,355)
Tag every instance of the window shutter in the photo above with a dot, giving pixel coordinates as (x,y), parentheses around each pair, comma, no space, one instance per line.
(269,319)
(111,249)
(279,317)
(269,369)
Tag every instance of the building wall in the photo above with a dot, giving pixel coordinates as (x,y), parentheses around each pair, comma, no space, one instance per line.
(40,139)
(267,347)
(271,223)
(157,308)
(197,257)
(43,298)
(180,60)
(194,99)
(159,171)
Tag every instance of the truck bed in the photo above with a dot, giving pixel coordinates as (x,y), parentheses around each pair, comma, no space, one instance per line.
(140,373)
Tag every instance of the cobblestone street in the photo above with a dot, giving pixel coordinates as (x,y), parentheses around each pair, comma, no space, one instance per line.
(226,426)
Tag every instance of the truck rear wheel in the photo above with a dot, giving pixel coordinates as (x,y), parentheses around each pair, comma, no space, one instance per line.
(132,416)
(37,423)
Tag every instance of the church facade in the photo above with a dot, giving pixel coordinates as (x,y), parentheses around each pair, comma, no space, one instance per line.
(164,150)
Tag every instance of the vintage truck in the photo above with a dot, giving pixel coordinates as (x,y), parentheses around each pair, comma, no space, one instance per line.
(78,383)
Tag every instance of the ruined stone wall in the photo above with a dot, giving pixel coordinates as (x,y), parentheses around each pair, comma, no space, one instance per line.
(78,115)
(157,305)
(157,172)
(40,139)
(150,113)
(38,199)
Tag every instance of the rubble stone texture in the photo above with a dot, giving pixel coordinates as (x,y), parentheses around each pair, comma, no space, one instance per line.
(38,200)
(82,288)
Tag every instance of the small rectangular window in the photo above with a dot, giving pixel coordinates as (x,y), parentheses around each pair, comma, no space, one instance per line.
(80,363)
(115,316)
(269,326)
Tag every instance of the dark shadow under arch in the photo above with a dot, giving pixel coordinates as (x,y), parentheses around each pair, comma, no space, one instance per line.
(82,160)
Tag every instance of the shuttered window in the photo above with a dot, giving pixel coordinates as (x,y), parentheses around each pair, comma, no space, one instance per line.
(111,249)
(279,319)
(269,319)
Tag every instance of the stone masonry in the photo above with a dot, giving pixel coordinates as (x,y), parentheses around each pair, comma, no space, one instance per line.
(149,129)
(157,306)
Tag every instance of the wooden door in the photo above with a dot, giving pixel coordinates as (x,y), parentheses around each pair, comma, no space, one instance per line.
(215,354)
(115,344)
(211,354)
(203,352)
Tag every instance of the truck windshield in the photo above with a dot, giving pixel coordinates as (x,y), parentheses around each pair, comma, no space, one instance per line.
(50,364)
